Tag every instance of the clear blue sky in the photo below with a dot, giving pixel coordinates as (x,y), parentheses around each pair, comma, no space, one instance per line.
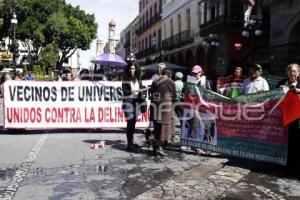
(121,11)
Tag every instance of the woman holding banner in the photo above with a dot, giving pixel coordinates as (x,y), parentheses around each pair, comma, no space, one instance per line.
(293,83)
(201,80)
(132,93)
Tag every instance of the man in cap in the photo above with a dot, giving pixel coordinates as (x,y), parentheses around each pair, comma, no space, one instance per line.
(255,83)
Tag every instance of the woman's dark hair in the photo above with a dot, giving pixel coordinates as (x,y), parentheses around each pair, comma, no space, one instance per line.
(127,76)
(3,77)
(84,74)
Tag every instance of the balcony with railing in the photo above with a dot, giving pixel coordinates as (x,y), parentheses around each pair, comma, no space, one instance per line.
(186,37)
(220,24)
(178,40)
(149,23)
(147,52)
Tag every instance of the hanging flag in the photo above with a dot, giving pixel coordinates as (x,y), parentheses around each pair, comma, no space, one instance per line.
(290,108)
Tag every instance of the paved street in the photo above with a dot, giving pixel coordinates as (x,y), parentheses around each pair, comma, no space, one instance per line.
(59,165)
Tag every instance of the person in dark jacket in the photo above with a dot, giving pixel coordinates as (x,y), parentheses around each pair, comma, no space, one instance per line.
(292,83)
(132,93)
(163,91)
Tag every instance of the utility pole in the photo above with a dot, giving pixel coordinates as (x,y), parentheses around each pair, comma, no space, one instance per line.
(14,23)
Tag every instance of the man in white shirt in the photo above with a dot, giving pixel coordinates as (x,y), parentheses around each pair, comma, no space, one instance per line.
(255,83)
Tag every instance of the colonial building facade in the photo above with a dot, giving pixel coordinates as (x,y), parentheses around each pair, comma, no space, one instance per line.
(214,34)
(149,31)
(129,39)
(180,29)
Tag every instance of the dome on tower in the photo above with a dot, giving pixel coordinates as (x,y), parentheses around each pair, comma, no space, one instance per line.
(112,23)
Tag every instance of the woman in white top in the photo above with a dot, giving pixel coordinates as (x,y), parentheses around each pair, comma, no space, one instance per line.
(132,91)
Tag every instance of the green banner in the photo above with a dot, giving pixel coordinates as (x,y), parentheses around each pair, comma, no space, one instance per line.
(248,126)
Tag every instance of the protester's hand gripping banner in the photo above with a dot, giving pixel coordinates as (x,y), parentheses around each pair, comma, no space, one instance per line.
(248,126)
(76,104)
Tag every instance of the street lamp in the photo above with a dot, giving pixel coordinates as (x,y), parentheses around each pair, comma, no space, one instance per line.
(14,23)
(251,30)
(131,57)
(211,41)
(253,26)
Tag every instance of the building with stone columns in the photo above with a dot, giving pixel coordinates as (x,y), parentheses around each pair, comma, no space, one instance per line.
(284,34)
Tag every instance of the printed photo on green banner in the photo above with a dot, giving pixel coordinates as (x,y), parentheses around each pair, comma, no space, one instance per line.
(247,126)
(199,127)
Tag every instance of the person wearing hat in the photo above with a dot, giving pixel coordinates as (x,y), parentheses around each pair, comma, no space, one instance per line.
(179,86)
(177,104)
(201,80)
(255,83)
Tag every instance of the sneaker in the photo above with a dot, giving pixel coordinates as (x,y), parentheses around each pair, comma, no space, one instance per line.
(185,148)
(200,151)
(161,152)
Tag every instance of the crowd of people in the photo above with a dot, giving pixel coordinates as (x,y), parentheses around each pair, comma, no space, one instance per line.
(167,90)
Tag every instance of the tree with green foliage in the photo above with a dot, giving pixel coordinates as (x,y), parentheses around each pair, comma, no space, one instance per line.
(33,16)
(44,22)
(71,30)
(1,12)
(5,16)
(49,56)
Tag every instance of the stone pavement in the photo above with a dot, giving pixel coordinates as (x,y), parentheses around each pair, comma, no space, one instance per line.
(63,166)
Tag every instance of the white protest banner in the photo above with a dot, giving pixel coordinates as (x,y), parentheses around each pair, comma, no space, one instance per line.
(76,104)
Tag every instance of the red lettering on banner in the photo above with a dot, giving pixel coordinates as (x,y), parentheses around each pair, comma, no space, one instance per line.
(100,114)
(120,114)
(89,115)
(47,118)
(111,114)
(23,115)
(106,114)
(78,116)
(92,116)
(111,119)
(62,115)
(72,115)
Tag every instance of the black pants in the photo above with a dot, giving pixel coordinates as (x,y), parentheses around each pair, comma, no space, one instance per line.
(179,111)
(157,135)
(131,117)
(293,145)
